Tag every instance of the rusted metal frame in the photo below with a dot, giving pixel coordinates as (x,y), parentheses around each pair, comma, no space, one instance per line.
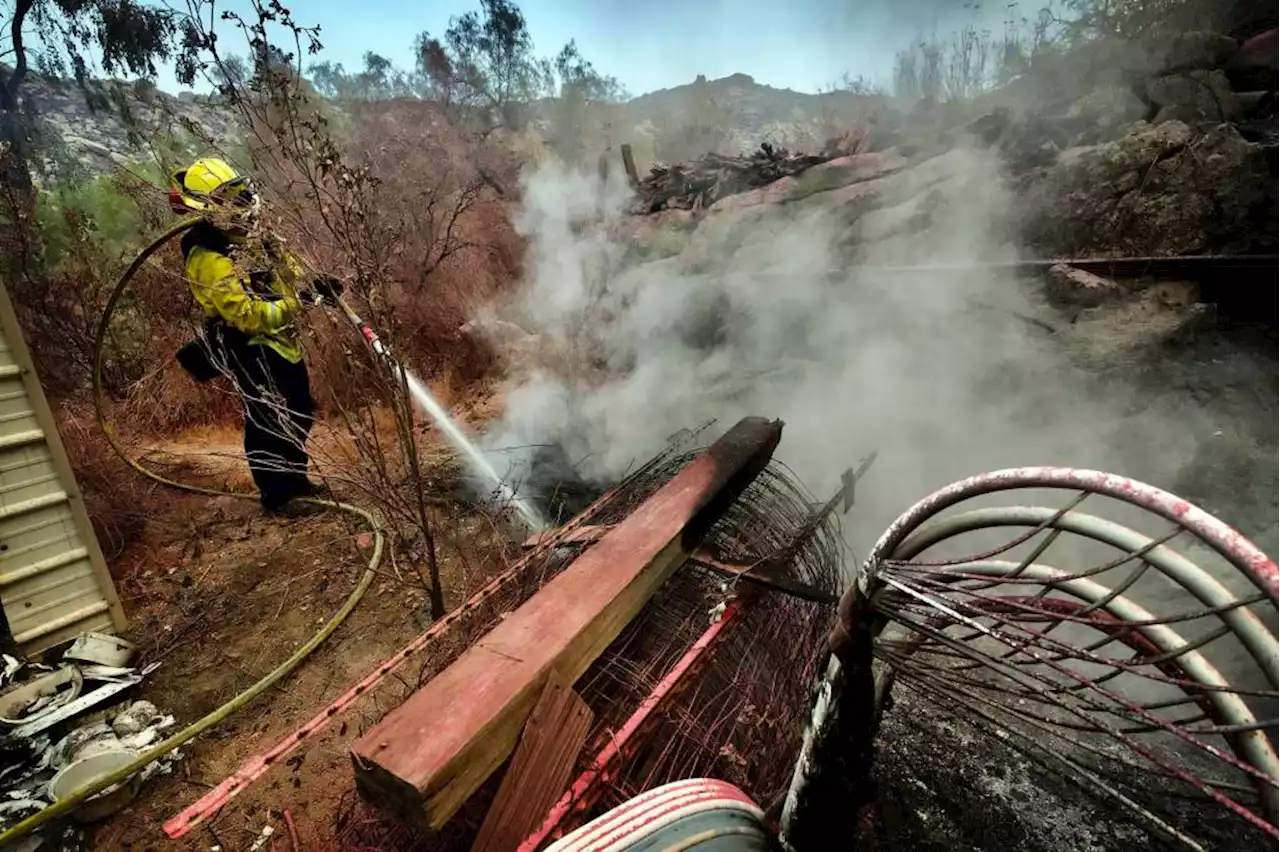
(585,788)
(1256,636)
(946,607)
(422,786)
(1221,537)
(1137,746)
(705,559)
(1166,664)
(751,574)
(833,773)
(965,688)
(1019,608)
(1123,630)
(1035,750)
(255,767)
(1251,745)
(1092,618)
(898,560)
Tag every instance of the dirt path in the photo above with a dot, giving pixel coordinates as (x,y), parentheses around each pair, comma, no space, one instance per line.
(220,595)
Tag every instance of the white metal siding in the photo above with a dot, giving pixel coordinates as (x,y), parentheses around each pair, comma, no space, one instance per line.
(54,583)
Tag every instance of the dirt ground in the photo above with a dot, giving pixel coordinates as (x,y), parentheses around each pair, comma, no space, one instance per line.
(220,595)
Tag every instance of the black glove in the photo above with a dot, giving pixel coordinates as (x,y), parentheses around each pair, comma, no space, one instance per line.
(327,289)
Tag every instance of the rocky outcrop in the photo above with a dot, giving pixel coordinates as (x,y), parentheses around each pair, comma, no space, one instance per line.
(1162,189)
(1192,51)
(90,130)
(1194,96)
(1067,285)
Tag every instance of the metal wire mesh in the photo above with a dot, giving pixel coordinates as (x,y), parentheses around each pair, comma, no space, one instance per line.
(1138,658)
(741,717)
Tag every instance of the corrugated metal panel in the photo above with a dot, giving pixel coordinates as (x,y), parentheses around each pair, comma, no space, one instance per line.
(54,583)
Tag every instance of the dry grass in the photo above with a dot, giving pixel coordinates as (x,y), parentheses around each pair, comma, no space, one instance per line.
(116,498)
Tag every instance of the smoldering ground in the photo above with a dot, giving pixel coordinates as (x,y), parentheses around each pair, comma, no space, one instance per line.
(942,375)
(785,311)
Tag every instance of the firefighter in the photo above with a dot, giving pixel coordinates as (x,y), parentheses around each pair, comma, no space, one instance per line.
(250,290)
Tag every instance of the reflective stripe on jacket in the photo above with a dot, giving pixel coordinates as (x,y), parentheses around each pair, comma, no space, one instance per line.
(246,286)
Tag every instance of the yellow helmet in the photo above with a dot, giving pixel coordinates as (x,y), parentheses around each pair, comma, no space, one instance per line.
(210,182)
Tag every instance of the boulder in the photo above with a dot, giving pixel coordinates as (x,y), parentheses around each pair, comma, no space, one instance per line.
(1258,52)
(1256,64)
(987,129)
(772,193)
(657,235)
(1159,190)
(912,216)
(1190,51)
(1194,96)
(87,145)
(844,171)
(1067,285)
(1109,106)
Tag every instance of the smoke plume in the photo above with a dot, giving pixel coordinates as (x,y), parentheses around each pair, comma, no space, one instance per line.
(781,313)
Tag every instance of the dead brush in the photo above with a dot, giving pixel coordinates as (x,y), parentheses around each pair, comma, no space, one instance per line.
(395,212)
(118,502)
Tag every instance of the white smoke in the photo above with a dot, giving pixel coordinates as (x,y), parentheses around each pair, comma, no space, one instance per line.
(942,374)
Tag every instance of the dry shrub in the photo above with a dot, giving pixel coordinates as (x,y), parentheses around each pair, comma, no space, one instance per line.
(439,198)
(116,498)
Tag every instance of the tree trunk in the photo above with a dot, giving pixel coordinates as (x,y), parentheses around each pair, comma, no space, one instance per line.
(14,169)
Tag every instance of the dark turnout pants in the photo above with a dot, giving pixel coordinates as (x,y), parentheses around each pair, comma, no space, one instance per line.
(278,415)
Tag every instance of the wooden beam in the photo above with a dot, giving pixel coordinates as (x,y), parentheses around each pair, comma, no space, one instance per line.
(429,755)
(747,573)
(584,534)
(540,767)
(629,164)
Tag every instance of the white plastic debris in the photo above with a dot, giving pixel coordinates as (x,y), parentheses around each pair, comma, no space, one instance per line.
(74,708)
(137,717)
(68,702)
(101,648)
(40,696)
(12,665)
(717,611)
(263,838)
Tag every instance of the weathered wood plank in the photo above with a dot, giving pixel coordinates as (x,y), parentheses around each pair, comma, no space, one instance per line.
(540,767)
(430,754)
(629,164)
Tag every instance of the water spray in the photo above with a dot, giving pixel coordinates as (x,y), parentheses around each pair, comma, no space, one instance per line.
(425,400)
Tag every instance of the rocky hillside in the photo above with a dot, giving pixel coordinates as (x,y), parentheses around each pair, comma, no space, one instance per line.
(755,112)
(1115,149)
(99,139)
(1087,97)
(90,129)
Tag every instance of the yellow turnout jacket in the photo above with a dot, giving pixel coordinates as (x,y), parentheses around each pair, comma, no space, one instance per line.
(251,285)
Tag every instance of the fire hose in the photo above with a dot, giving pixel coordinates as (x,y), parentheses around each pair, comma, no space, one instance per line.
(69,803)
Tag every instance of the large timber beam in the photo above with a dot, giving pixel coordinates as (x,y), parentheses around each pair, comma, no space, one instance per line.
(430,754)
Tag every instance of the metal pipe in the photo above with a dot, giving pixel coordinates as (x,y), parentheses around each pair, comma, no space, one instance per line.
(1252,632)
(1254,745)
(1219,536)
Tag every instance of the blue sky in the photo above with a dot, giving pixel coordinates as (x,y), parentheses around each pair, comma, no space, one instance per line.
(656,44)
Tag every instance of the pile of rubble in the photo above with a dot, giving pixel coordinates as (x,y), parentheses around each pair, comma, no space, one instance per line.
(65,726)
(697,185)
